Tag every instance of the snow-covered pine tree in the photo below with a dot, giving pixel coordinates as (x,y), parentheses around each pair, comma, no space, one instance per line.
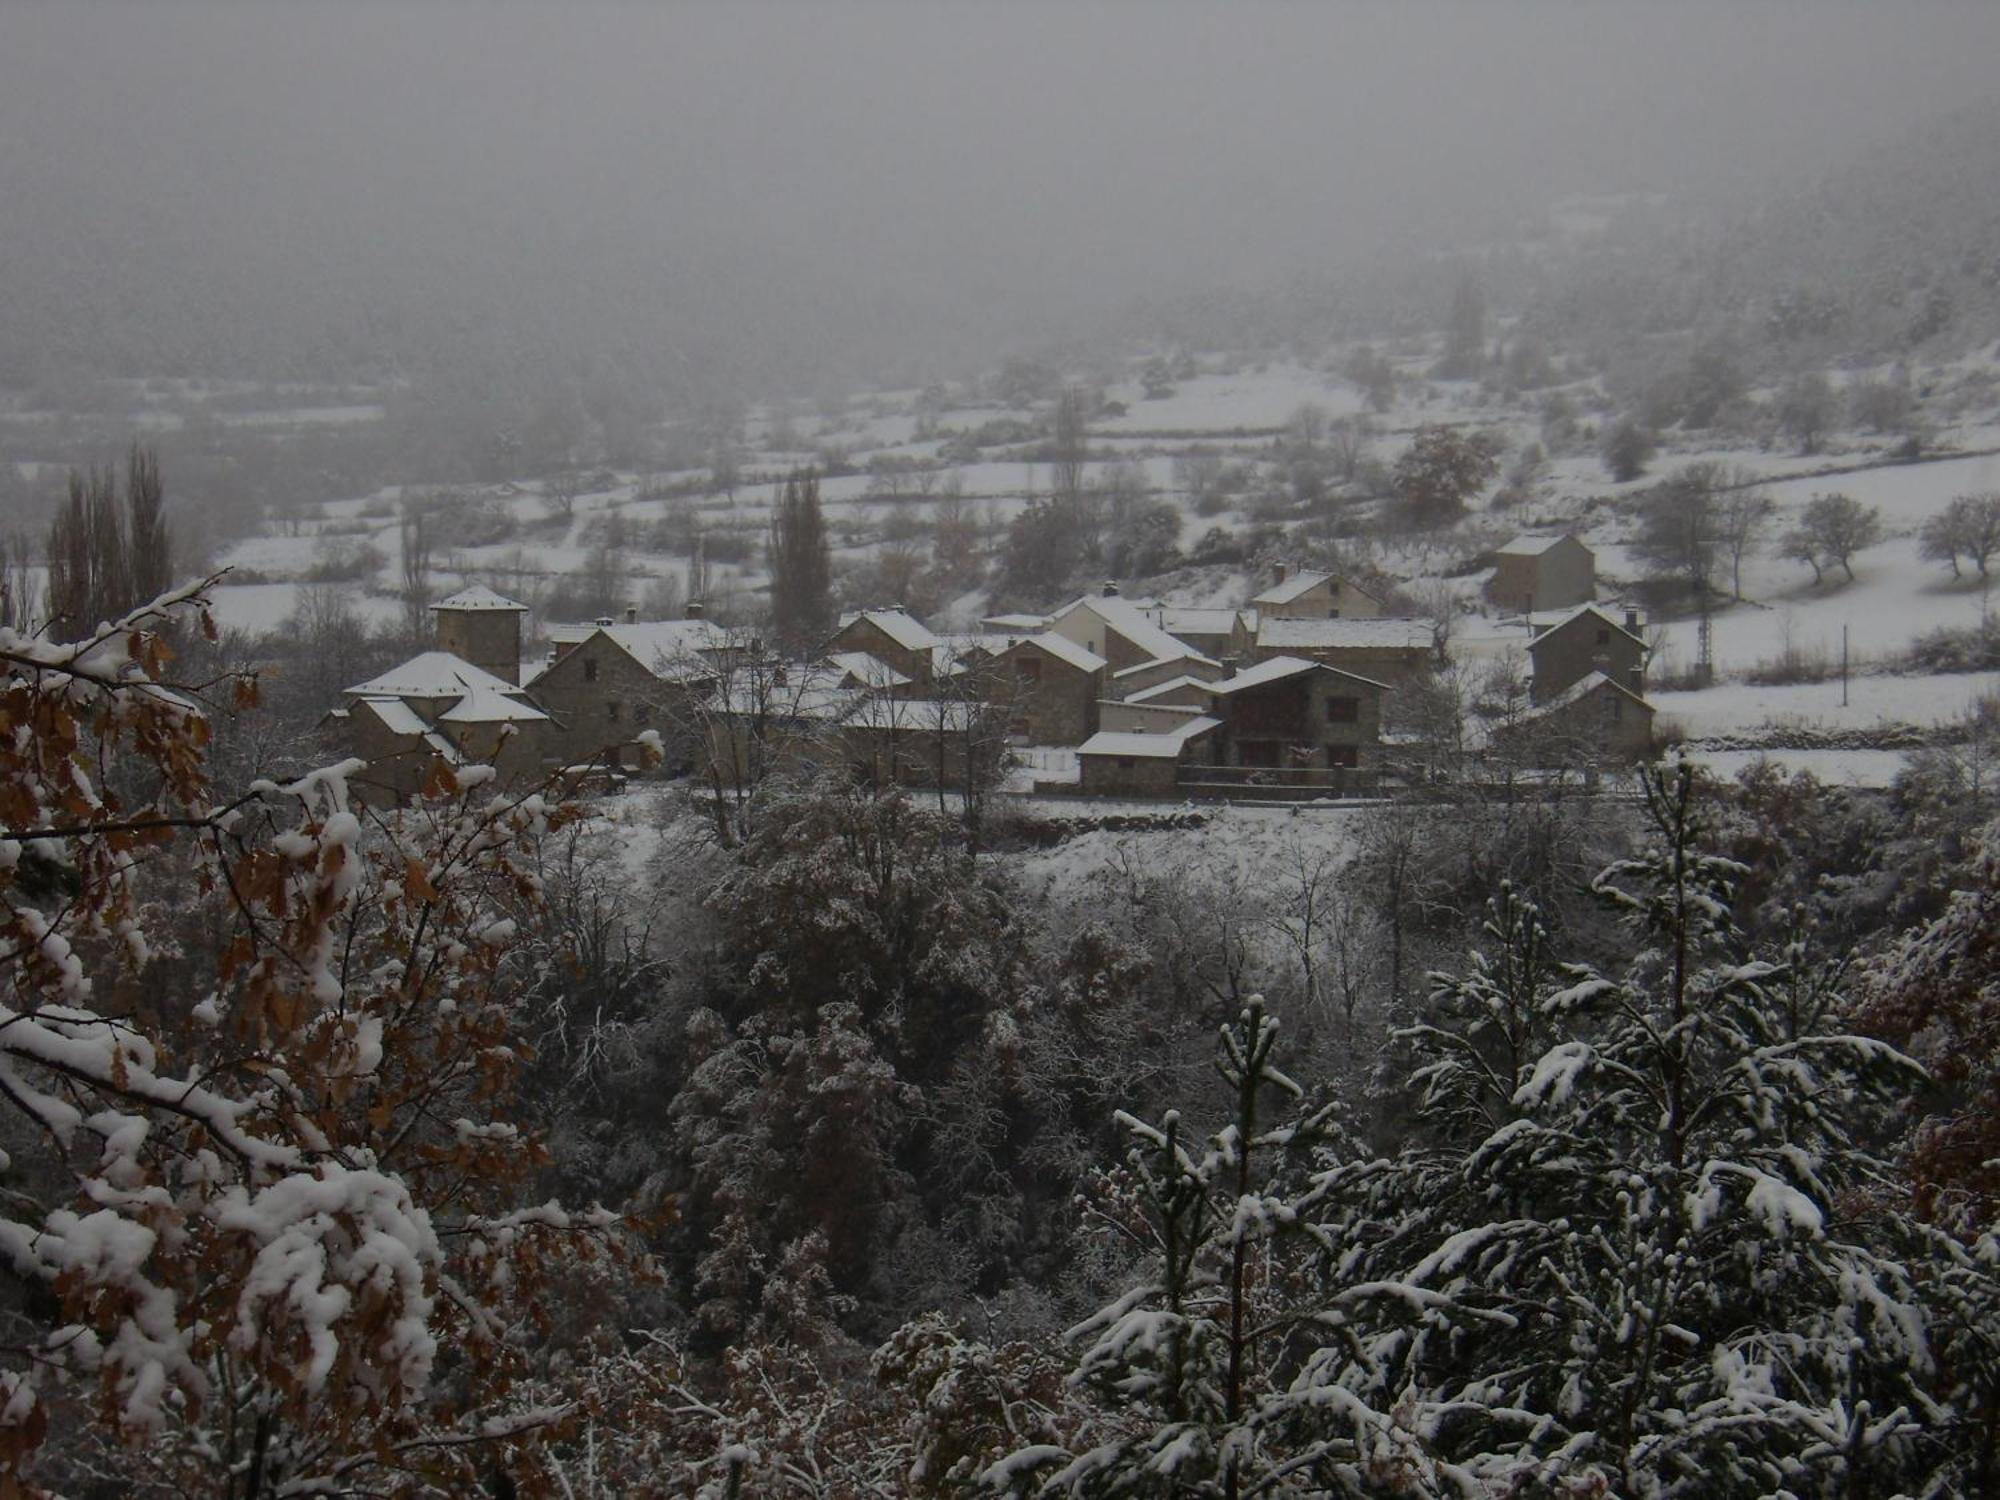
(1679,1283)
(1200,1380)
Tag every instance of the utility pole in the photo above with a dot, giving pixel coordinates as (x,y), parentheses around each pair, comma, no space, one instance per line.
(1843,666)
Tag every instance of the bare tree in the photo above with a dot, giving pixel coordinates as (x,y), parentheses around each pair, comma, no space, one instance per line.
(1969,527)
(1831,530)
(414,533)
(1740,522)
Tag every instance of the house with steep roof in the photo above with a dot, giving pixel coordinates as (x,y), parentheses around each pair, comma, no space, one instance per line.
(1124,633)
(1391,651)
(1310,595)
(1289,713)
(1535,574)
(1584,641)
(1596,721)
(608,682)
(1222,634)
(436,706)
(1046,686)
(894,636)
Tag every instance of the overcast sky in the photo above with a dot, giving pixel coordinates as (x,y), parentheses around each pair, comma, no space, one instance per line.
(1004,155)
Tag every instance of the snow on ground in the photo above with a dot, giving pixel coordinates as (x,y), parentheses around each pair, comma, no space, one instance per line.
(1217,403)
(262,607)
(1738,707)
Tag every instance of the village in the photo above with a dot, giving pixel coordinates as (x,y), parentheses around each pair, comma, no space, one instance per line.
(1304,691)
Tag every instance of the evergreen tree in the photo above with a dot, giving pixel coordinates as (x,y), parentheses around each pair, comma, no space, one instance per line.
(802,611)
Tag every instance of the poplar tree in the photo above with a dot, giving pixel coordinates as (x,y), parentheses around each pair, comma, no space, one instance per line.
(801,566)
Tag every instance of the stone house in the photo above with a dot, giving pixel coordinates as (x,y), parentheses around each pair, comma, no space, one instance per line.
(1534,574)
(1046,688)
(610,683)
(1150,674)
(1587,640)
(1596,721)
(894,636)
(1390,651)
(438,705)
(1144,718)
(1290,713)
(1143,764)
(1223,634)
(1123,633)
(1308,595)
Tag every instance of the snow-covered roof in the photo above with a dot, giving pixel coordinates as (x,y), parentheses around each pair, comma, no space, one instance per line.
(1532,546)
(1167,744)
(1279,668)
(651,643)
(900,626)
(1292,588)
(1582,688)
(396,716)
(1133,623)
(484,706)
(1017,624)
(434,674)
(1177,621)
(479,597)
(1185,654)
(1064,649)
(1172,685)
(1327,635)
(868,671)
(1579,613)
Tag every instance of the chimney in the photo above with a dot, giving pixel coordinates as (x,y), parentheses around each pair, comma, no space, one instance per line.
(1283,572)
(1632,621)
(631,614)
(605,620)
(694,609)
(1111,588)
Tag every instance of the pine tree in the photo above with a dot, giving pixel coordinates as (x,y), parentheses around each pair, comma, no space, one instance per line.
(801,568)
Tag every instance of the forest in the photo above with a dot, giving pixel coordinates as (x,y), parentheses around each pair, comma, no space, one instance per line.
(447,1150)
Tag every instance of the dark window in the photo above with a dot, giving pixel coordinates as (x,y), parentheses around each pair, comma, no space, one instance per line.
(1617,709)
(1603,636)
(611,710)
(1343,755)
(1028,668)
(590,671)
(1124,762)
(1343,710)
(1333,612)
(644,713)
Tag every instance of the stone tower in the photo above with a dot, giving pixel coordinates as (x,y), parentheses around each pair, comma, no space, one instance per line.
(479,626)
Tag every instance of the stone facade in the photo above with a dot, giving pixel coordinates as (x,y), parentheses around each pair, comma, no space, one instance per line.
(1537,574)
(1316,596)
(1306,715)
(890,636)
(1596,723)
(1047,698)
(484,629)
(602,698)
(1151,674)
(1588,641)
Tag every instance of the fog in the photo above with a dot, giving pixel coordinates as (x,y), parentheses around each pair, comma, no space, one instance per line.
(862,183)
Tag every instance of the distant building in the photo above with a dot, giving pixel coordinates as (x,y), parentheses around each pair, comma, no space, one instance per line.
(1594,722)
(1534,574)
(1389,651)
(891,635)
(1046,688)
(1145,764)
(438,706)
(608,683)
(1125,634)
(1309,595)
(1292,713)
(484,628)
(1585,641)
(1223,634)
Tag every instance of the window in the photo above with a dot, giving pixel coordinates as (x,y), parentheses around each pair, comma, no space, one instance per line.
(1343,710)
(1603,636)
(1333,612)
(611,710)
(1343,755)
(1617,709)
(1028,668)
(1124,762)
(590,670)
(643,713)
